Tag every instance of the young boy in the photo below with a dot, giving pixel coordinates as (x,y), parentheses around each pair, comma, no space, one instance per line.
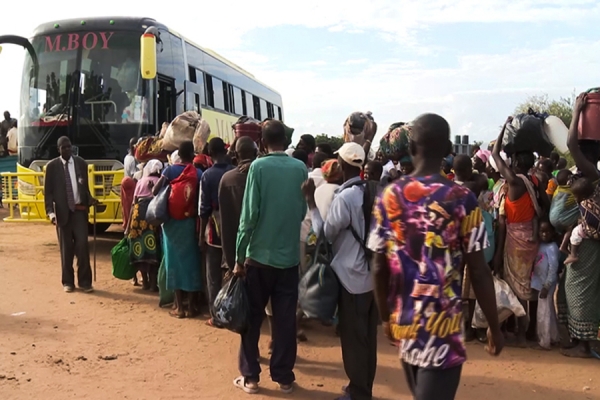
(544,279)
(583,189)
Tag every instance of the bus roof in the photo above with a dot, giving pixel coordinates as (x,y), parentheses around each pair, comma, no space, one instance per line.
(132,23)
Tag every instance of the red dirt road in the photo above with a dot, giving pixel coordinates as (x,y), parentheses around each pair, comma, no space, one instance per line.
(52,344)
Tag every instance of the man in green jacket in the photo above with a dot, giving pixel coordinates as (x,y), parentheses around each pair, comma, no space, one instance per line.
(268,255)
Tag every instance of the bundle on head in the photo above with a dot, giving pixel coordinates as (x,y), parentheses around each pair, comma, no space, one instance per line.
(186,126)
(394,144)
(246,126)
(359,127)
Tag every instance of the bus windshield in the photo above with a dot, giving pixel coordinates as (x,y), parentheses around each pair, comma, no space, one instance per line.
(88,87)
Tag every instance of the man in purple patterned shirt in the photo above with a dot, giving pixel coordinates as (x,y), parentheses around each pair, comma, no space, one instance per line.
(423,227)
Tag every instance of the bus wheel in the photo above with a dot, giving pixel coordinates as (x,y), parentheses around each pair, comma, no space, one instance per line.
(101,227)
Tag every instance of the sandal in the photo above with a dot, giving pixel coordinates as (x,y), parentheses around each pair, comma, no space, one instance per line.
(212,324)
(176,314)
(242,383)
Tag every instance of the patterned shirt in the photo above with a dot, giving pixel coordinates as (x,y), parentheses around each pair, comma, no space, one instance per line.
(424,225)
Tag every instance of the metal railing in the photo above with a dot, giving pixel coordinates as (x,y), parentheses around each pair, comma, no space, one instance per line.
(24,195)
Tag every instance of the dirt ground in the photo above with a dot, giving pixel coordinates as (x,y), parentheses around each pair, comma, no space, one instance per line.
(116,343)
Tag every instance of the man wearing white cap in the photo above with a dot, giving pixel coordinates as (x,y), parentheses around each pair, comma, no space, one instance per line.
(357,312)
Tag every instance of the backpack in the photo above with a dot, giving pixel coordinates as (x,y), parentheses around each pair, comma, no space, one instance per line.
(369,195)
(183,199)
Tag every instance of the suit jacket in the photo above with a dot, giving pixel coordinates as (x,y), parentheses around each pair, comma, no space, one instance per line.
(55,188)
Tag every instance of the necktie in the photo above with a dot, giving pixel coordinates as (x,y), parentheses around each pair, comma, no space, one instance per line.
(69,184)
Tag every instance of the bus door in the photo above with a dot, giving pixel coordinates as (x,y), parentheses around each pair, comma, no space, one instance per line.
(166,100)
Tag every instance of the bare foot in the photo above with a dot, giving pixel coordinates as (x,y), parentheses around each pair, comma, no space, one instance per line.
(571,259)
(576,352)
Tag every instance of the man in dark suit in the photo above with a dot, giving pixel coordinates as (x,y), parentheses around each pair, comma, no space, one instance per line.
(68,199)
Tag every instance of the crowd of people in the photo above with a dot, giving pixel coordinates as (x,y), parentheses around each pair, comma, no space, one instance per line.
(416,237)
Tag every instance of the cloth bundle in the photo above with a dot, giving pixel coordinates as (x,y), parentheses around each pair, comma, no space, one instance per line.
(394,144)
(359,127)
(186,126)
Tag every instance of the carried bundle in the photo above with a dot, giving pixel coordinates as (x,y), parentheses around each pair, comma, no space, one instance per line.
(186,126)
(359,127)
(250,127)
(394,144)
(150,148)
(527,132)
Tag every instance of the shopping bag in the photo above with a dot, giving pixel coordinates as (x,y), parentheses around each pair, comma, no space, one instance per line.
(507,304)
(319,288)
(158,209)
(231,309)
(121,264)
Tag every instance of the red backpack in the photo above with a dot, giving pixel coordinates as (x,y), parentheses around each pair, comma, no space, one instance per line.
(183,199)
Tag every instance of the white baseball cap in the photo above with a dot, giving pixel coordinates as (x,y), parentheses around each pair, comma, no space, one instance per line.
(352,153)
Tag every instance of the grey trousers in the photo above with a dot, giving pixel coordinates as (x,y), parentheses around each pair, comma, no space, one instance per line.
(358,319)
(73,241)
(214,273)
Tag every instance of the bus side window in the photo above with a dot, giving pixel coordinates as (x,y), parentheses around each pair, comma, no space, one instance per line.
(256,104)
(250,106)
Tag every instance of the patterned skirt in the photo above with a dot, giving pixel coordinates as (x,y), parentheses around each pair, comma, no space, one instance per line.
(143,237)
(582,289)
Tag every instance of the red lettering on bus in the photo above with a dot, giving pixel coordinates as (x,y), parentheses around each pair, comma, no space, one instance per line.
(105,38)
(73,41)
(88,41)
(85,43)
(50,46)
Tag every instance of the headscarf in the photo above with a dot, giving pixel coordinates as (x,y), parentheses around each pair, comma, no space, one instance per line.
(152,167)
(493,163)
(175,159)
(483,155)
(203,160)
(331,170)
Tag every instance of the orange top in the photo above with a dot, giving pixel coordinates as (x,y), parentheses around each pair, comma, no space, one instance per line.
(521,210)
(552,185)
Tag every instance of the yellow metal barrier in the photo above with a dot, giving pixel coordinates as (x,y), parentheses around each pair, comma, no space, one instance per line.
(24,192)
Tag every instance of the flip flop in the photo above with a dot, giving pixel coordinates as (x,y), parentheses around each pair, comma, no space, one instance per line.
(241,383)
(177,315)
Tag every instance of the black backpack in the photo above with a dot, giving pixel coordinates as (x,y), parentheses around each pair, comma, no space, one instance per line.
(371,189)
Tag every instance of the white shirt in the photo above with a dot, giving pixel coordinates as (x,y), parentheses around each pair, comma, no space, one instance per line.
(317,176)
(71,166)
(11,136)
(324,196)
(130,165)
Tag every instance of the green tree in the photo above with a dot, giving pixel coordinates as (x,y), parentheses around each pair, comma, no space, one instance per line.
(334,141)
(562,108)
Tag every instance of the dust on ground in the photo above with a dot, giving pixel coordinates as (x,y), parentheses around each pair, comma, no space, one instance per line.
(116,343)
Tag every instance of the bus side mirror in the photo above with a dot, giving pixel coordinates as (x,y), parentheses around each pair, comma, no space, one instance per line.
(148,56)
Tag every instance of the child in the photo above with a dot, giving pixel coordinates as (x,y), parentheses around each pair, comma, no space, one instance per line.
(544,279)
(582,189)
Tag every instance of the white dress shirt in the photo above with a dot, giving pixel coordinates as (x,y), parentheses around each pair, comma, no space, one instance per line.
(71,166)
(130,165)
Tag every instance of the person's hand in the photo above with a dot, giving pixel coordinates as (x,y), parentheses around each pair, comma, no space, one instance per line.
(580,103)
(495,342)
(53,220)
(239,270)
(95,202)
(308,189)
(544,293)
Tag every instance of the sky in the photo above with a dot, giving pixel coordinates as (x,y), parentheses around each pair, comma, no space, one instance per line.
(471,61)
